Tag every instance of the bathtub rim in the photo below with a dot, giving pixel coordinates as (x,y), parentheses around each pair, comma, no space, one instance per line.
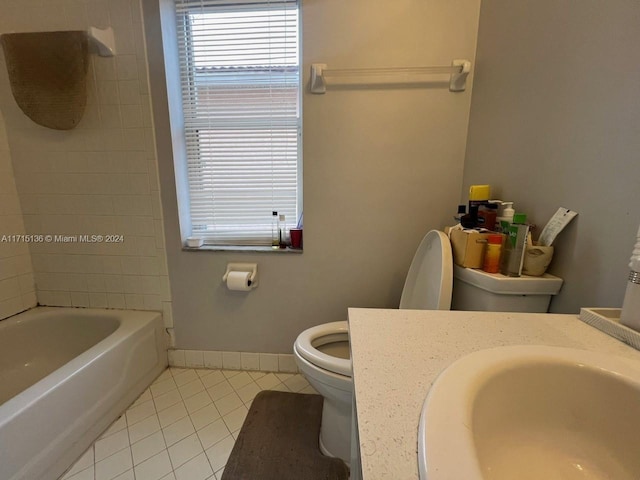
(135,321)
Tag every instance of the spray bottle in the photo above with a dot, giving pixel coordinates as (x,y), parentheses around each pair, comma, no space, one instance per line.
(630,315)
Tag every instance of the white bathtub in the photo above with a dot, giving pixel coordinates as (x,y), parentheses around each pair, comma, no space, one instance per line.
(65,375)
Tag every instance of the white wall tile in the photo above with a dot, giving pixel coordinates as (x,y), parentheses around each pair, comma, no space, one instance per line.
(97,179)
(16,271)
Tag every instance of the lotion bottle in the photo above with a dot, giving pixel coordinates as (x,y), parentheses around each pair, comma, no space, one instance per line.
(506,219)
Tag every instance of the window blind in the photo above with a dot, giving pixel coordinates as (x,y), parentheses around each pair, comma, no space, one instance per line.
(240,78)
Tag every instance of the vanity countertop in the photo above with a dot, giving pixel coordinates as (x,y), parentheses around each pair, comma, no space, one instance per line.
(397,354)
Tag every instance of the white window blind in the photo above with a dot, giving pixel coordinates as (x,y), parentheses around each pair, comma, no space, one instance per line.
(240,77)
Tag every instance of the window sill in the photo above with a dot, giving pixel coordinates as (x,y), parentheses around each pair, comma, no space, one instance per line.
(239,248)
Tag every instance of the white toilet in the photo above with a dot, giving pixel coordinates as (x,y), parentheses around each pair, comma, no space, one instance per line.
(322,352)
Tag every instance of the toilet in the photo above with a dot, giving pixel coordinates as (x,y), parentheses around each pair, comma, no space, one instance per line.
(322,352)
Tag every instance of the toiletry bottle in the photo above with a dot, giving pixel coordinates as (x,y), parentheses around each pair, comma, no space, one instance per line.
(275,230)
(462,210)
(282,232)
(487,215)
(630,315)
(513,255)
(478,195)
(506,219)
(491,262)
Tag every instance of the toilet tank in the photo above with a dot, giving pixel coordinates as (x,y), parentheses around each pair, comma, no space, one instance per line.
(494,292)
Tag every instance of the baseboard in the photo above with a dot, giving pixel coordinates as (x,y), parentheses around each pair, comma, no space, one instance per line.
(265,362)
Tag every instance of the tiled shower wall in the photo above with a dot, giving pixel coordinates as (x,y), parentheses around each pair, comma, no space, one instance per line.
(16,274)
(97,179)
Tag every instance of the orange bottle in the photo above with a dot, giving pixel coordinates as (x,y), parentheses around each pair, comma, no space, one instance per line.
(492,254)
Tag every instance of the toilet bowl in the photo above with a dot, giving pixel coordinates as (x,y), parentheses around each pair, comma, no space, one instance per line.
(322,352)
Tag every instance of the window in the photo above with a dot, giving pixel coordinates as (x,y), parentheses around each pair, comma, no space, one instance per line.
(240,82)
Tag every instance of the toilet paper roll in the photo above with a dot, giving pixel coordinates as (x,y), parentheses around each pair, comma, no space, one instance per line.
(239,281)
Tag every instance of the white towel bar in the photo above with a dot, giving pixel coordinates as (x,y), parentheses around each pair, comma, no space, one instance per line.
(321,76)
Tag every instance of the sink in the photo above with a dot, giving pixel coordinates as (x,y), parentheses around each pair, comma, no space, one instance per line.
(532,412)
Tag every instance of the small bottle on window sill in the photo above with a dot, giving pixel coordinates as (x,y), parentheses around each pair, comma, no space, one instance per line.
(282,232)
(275,230)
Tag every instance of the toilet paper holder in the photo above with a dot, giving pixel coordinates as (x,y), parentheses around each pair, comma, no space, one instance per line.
(243,267)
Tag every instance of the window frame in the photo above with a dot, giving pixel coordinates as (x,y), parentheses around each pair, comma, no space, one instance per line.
(192,237)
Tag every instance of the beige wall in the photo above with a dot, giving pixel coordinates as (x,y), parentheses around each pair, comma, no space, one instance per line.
(99,178)
(555,121)
(381,168)
(17,289)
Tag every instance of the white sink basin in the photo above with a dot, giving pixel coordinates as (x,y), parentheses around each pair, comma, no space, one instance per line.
(532,412)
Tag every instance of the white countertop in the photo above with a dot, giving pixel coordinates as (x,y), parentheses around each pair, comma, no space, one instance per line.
(397,354)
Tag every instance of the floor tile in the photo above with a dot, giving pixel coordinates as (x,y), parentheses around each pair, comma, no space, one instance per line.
(235,419)
(197,401)
(198,468)
(204,416)
(163,387)
(240,380)
(213,378)
(140,412)
(228,403)
(220,390)
(144,428)
(183,427)
(268,381)
(112,466)
(231,373)
(85,474)
(189,389)
(218,454)
(172,414)
(213,433)
(107,446)
(178,431)
(128,475)
(183,451)
(168,399)
(248,392)
(257,375)
(185,377)
(147,447)
(154,468)
(296,383)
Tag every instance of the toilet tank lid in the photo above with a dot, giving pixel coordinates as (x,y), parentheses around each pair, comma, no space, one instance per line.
(500,284)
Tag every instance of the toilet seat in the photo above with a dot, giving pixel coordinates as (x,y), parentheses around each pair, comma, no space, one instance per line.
(306,343)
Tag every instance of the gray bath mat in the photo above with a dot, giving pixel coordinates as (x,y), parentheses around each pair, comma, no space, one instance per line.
(279,441)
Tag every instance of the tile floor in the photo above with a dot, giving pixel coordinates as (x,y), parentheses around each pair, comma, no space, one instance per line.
(182,427)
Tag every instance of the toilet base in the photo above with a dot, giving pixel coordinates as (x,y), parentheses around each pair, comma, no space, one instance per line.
(335,430)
